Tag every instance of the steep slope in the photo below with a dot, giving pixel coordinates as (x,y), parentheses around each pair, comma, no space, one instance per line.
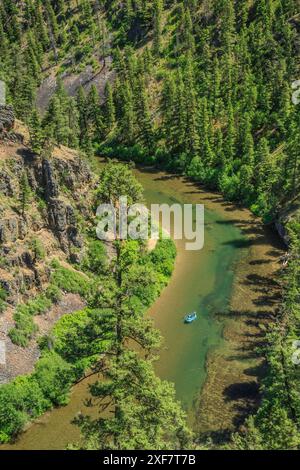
(45,209)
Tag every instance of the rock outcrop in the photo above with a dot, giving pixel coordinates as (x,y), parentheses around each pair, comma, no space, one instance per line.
(291,211)
(47,224)
(61,188)
(7,119)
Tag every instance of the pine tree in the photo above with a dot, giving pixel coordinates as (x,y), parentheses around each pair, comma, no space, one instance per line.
(87,19)
(168,107)
(23,88)
(228,27)
(146,135)
(180,115)
(191,107)
(293,156)
(144,411)
(230,142)
(157,30)
(219,158)
(73,123)
(109,112)
(94,114)
(55,122)
(128,121)
(52,20)
(82,109)
(246,141)
(206,152)
(189,40)
(41,31)
(52,28)
(37,137)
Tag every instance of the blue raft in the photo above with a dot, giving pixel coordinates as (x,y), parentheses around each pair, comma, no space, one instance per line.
(190,318)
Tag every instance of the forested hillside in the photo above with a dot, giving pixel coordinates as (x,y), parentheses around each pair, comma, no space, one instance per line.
(205,88)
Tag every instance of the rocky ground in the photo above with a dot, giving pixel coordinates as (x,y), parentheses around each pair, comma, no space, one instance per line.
(73,81)
(60,199)
(20,360)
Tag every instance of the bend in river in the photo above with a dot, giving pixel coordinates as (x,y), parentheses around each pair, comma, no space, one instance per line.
(214,282)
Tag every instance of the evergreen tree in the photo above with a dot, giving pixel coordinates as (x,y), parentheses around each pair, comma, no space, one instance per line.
(110,112)
(73,123)
(143,409)
(143,117)
(94,114)
(192,123)
(128,122)
(37,137)
(157,30)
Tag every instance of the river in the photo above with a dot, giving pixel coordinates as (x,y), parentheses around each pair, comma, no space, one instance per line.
(202,281)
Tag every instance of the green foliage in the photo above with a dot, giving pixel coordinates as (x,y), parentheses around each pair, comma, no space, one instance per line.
(96,258)
(163,258)
(3,297)
(25,327)
(61,120)
(214,104)
(54,377)
(76,337)
(38,250)
(71,281)
(206,107)
(62,279)
(276,423)
(117,180)
(77,340)
(145,413)
(27,397)
(19,400)
(37,137)
(147,417)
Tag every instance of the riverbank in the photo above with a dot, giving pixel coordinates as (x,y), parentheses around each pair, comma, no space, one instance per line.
(234,368)
(232,388)
(31,434)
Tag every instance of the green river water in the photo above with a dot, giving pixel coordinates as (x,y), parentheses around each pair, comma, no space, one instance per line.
(202,281)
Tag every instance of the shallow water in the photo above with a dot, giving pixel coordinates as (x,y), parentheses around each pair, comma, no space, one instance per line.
(202,282)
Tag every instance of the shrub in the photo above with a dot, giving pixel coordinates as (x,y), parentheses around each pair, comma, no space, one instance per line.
(20,401)
(53,293)
(3,297)
(25,327)
(71,281)
(27,397)
(54,376)
(20,337)
(96,258)
(12,420)
(163,257)
(37,248)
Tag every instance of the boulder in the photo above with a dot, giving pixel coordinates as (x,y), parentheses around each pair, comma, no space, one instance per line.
(7,119)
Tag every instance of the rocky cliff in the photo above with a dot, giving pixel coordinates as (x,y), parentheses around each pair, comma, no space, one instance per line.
(45,209)
(7,119)
(57,195)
